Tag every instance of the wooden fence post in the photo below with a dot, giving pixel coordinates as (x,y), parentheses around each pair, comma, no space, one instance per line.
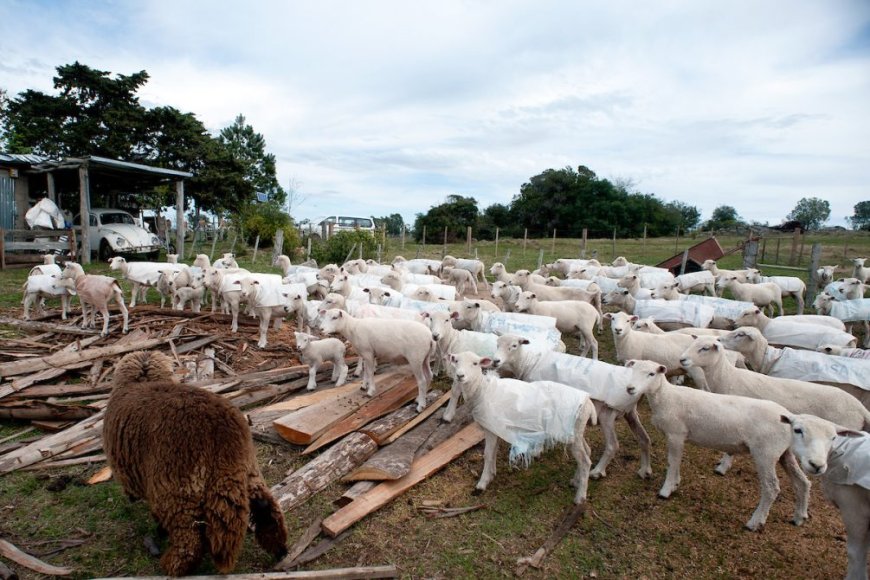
(379,253)
(2,249)
(540,258)
(507,257)
(613,246)
(583,243)
(444,247)
(684,261)
(308,250)
(525,240)
(750,254)
(812,284)
(776,259)
(677,240)
(553,246)
(468,239)
(801,253)
(403,237)
(763,249)
(794,244)
(277,246)
(424,239)
(496,243)
(643,250)
(256,247)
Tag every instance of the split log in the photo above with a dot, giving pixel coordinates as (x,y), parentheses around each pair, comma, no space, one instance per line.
(43,411)
(73,438)
(211,317)
(353,492)
(14,435)
(327,467)
(8,550)
(422,468)
(44,391)
(322,547)
(445,431)
(568,520)
(385,402)
(48,327)
(305,425)
(52,426)
(388,437)
(384,427)
(394,461)
(65,462)
(46,374)
(300,545)
(359,573)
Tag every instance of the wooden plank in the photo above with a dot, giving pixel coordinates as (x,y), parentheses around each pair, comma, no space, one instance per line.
(422,468)
(324,469)
(8,550)
(53,445)
(300,545)
(47,327)
(66,462)
(359,573)
(305,425)
(42,411)
(390,437)
(103,475)
(568,520)
(353,492)
(385,402)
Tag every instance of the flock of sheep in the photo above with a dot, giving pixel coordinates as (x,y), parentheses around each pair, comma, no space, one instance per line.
(787,389)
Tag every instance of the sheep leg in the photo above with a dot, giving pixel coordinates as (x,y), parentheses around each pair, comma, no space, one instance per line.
(724,464)
(104,311)
(234,307)
(423,374)
(28,302)
(800,484)
(607,422)
(369,375)
(851,501)
(643,440)
(64,305)
(312,373)
(450,412)
(866,334)
(143,294)
(769,485)
(676,442)
(342,371)
(580,450)
(185,544)
(265,318)
(590,341)
(490,453)
(799,297)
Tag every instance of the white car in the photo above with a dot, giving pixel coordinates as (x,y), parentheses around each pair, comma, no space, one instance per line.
(115,232)
(341,223)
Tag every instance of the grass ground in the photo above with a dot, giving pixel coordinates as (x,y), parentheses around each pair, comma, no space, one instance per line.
(696,534)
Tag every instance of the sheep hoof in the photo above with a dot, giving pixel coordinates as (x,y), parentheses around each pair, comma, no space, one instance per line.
(751,527)
(597,474)
(645,473)
(477,491)
(151,546)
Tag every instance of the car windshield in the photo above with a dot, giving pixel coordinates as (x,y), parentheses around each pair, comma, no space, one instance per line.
(116,218)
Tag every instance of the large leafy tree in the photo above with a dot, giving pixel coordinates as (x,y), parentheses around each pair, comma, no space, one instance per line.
(724,217)
(455,214)
(249,147)
(811,212)
(861,219)
(393,223)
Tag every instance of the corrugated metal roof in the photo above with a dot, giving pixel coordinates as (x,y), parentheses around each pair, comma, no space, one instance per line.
(25,158)
(709,249)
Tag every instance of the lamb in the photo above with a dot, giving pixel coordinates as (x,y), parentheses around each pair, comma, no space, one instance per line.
(860,271)
(266,298)
(221,284)
(604,382)
(702,281)
(163,286)
(572,316)
(539,328)
(38,287)
(859,353)
(48,267)
(193,294)
(764,295)
(850,375)
(386,340)
(462,279)
(202,261)
(809,332)
(566,265)
(709,354)
(314,352)
(171,258)
(228,261)
(838,456)
(824,276)
(508,294)
(742,275)
(788,285)
(141,274)
(95,292)
(358,266)
(631,282)
(529,416)
(724,422)
(592,294)
(189,454)
(475,267)
(500,273)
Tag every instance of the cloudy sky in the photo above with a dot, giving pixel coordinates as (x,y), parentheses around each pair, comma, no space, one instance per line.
(378,107)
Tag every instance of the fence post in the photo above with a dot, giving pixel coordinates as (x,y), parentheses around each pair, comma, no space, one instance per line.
(496,243)
(379,253)
(475,254)
(583,243)
(540,258)
(763,249)
(468,239)
(403,237)
(683,262)
(424,240)
(256,247)
(444,247)
(193,243)
(553,246)
(750,254)
(308,250)
(801,254)
(507,257)
(643,250)
(794,244)
(812,285)
(677,240)
(278,246)
(350,253)
(213,242)
(525,240)
(776,259)
(235,239)
(613,246)
(360,250)
(2,249)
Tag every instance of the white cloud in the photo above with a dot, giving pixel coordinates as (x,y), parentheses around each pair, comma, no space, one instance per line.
(384,106)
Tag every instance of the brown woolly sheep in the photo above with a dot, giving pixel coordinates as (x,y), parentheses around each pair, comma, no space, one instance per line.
(190,455)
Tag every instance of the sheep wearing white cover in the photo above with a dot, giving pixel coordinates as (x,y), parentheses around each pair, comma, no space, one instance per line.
(507,293)
(726,423)
(849,311)
(788,285)
(373,338)
(95,292)
(222,284)
(329,272)
(529,416)
(472,316)
(48,267)
(764,295)
(378,295)
(860,353)
(808,332)
(462,279)
(574,317)
(742,275)
(314,353)
(418,265)
(702,282)
(141,274)
(604,382)
(265,299)
(475,267)
(669,315)
(859,270)
(850,375)
(38,287)
(838,456)
(709,354)
(228,261)
(649,325)
(358,266)
(283,262)
(342,284)
(591,294)
(631,282)
(566,265)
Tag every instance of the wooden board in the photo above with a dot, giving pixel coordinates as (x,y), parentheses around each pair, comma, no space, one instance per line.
(427,412)
(422,468)
(305,425)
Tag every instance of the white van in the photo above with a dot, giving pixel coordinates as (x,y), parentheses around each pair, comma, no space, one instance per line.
(339,223)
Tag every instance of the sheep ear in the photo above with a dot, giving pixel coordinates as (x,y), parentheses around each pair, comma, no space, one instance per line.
(524,341)
(454,316)
(848,432)
(785,419)
(424,314)
(694,336)
(715,346)
(633,318)
(661,370)
(387,294)
(630,363)
(486,362)
(828,349)
(366,290)
(608,316)
(239,282)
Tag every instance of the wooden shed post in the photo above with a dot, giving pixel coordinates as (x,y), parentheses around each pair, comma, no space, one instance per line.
(812,285)
(49,182)
(85,213)
(179,217)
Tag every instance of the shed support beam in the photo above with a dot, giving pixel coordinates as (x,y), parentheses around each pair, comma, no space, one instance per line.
(85,213)
(179,217)
(49,179)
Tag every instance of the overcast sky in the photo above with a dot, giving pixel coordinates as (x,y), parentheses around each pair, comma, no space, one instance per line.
(378,107)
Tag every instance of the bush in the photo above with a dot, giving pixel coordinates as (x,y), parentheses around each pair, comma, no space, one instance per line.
(264,220)
(335,249)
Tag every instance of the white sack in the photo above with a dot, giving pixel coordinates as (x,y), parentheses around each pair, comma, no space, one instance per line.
(817,367)
(849,461)
(45,214)
(540,330)
(851,310)
(787,283)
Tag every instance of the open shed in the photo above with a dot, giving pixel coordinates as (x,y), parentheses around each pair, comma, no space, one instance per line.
(709,249)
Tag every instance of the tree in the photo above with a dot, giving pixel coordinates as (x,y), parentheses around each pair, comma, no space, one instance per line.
(811,212)
(393,223)
(723,217)
(456,213)
(249,147)
(861,219)
(689,215)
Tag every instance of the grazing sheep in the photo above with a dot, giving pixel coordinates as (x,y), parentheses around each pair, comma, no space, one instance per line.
(529,416)
(724,422)
(764,295)
(574,317)
(462,279)
(475,267)
(314,352)
(604,382)
(808,332)
(94,292)
(189,454)
(702,282)
(386,340)
(838,456)
(228,261)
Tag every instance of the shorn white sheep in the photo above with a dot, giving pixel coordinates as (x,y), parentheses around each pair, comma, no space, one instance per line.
(462,279)
(859,270)
(95,292)
(604,382)
(529,416)
(839,457)
(726,423)
(475,267)
(507,293)
(315,352)
(573,317)
(373,338)
(763,295)
(861,353)
(38,287)
(141,275)
(789,285)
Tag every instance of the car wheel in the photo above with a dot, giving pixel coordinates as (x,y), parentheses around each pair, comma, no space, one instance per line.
(105,251)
